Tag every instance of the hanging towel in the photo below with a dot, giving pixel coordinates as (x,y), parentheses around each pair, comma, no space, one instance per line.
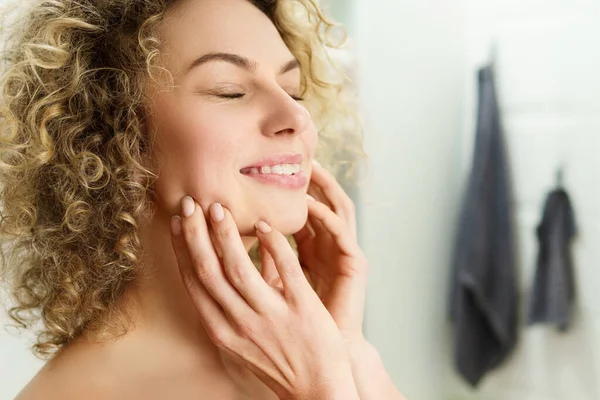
(483,303)
(554,285)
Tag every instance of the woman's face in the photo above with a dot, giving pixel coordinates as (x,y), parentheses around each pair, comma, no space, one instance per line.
(231,131)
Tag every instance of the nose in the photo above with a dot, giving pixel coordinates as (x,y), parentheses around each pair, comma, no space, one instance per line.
(284,116)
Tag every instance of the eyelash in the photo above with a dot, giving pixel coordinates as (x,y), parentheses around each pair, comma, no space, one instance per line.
(234,96)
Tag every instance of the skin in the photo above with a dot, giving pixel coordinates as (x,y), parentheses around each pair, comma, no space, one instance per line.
(204,138)
(211,327)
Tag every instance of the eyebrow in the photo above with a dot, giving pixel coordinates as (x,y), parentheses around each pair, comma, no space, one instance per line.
(240,61)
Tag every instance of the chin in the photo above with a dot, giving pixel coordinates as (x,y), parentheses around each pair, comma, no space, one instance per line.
(287,221)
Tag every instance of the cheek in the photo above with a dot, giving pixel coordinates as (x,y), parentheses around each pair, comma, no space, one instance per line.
(200,136)
(311,139)
(195,156)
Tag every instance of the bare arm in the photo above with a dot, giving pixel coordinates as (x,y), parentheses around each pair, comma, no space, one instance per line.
(370,376)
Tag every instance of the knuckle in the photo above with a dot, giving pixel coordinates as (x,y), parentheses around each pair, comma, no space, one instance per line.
(271,321)
(190,230)
(237,273)
(349,204)
(289,268)
(205,271)
(219,337)
(362,263)
(226,231)
(327,182)
(245,328)
(270,325)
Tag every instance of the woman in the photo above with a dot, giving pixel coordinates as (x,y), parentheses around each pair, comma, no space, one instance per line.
(147,146)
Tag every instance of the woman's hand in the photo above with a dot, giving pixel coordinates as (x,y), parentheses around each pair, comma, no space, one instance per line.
(337,268)
(285,336)
(329,252)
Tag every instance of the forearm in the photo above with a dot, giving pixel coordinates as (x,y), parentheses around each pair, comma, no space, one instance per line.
(342,387)
(370,377)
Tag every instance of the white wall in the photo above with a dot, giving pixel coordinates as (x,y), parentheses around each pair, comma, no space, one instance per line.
(17,364)
(548,71)
(411,79)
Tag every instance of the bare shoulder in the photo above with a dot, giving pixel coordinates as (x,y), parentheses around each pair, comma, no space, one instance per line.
(56,381)
(54,385)
(100,374)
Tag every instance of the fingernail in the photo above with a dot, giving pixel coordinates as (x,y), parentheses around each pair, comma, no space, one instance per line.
(316,162)
(263,227)
(176,225)
(309,197)
(216,212)
(187,206)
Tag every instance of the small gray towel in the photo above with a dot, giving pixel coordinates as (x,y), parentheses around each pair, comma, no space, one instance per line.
(554,285)
(483,302)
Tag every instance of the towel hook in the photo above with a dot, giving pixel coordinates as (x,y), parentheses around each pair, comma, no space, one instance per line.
(560,173)
(493,51)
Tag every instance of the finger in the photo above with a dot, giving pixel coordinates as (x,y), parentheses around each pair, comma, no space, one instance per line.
(329,188)
(316,193)
(236,262)
(294,282)
(307,231)
(268,268)
(315,225)
(204,261)
(334,226)
(341,203)
(212,315)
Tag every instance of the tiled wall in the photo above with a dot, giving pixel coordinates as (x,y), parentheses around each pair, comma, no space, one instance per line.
(548,79)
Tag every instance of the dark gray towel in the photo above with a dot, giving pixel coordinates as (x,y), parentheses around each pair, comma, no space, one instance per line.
(554,286)
(483,303)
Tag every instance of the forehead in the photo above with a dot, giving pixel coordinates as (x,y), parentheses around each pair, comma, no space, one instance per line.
(196,27)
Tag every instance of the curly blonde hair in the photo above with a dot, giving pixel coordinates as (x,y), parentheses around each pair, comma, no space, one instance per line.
(76,174)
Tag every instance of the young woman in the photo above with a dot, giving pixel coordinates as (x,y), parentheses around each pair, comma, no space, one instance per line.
(147,146)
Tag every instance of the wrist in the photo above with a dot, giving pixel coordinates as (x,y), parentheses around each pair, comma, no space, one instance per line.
(346,391)
(370,376)
(335,391)
(361,351)
(338,387)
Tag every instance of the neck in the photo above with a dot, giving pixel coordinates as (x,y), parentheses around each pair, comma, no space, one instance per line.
(166,333)
(159,299)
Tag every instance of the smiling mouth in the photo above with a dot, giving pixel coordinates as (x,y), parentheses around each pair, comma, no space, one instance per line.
(283,171)
(278,169)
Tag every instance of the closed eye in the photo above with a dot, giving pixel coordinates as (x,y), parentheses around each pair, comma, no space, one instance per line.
(231,95)
(240,95)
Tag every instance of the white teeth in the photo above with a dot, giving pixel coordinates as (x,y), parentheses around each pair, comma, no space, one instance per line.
(282,169)
(287,169)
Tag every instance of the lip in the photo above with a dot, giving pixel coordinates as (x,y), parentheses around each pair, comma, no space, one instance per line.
(288,158)
(292,182)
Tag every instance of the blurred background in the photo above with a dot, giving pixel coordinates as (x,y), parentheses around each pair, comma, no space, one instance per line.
(415,65)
